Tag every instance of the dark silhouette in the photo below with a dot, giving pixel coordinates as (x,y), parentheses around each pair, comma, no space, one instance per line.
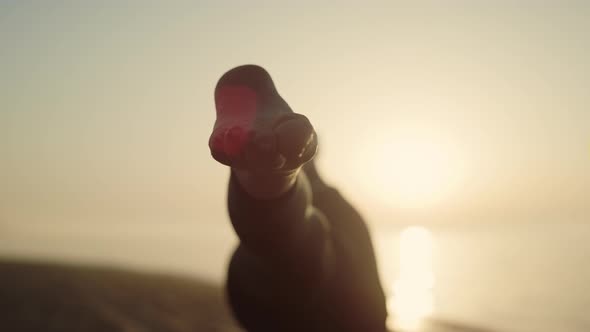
(305,260)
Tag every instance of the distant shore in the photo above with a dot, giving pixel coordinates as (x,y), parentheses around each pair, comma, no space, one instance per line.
(37,296)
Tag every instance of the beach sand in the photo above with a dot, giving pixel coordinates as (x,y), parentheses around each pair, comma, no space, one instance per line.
(57,298)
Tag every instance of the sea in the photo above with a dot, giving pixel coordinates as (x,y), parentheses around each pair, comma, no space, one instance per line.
(509,276)
(513,277)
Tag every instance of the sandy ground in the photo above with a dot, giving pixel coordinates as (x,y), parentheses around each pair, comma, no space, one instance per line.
(58,298)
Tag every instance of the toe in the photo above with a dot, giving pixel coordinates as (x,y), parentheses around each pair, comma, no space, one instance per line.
(295,137)
(261,152)
(235,140)
(227,145)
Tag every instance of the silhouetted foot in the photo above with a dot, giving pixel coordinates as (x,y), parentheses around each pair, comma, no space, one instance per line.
(255,129)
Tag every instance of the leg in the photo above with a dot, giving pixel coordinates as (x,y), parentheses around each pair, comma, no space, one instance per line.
(283,261)
(301,264)
(328,274)
(356,285)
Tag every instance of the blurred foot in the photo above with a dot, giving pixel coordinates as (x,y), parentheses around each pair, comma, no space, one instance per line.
(255,129)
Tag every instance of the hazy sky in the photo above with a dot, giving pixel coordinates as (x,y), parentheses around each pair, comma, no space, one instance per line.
(106,109)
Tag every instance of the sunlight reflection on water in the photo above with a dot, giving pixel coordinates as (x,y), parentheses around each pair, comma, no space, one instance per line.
(413,300)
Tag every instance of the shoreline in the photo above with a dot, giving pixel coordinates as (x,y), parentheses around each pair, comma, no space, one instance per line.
(57,297)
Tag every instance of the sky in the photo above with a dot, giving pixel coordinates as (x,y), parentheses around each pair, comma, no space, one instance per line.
(471,112)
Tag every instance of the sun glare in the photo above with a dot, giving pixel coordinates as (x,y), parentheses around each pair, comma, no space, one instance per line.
(409,171)
(413,298)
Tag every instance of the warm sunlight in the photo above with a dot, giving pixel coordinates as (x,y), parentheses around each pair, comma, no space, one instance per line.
(410,170)
(413,298)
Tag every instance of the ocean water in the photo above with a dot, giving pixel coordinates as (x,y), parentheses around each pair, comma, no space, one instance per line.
(511,277)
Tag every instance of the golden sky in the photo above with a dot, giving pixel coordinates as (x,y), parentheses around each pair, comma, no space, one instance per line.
(434,113)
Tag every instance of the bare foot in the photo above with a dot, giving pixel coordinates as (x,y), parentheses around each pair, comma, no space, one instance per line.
(257,134)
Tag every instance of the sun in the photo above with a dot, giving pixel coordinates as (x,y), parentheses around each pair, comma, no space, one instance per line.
(409,170)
